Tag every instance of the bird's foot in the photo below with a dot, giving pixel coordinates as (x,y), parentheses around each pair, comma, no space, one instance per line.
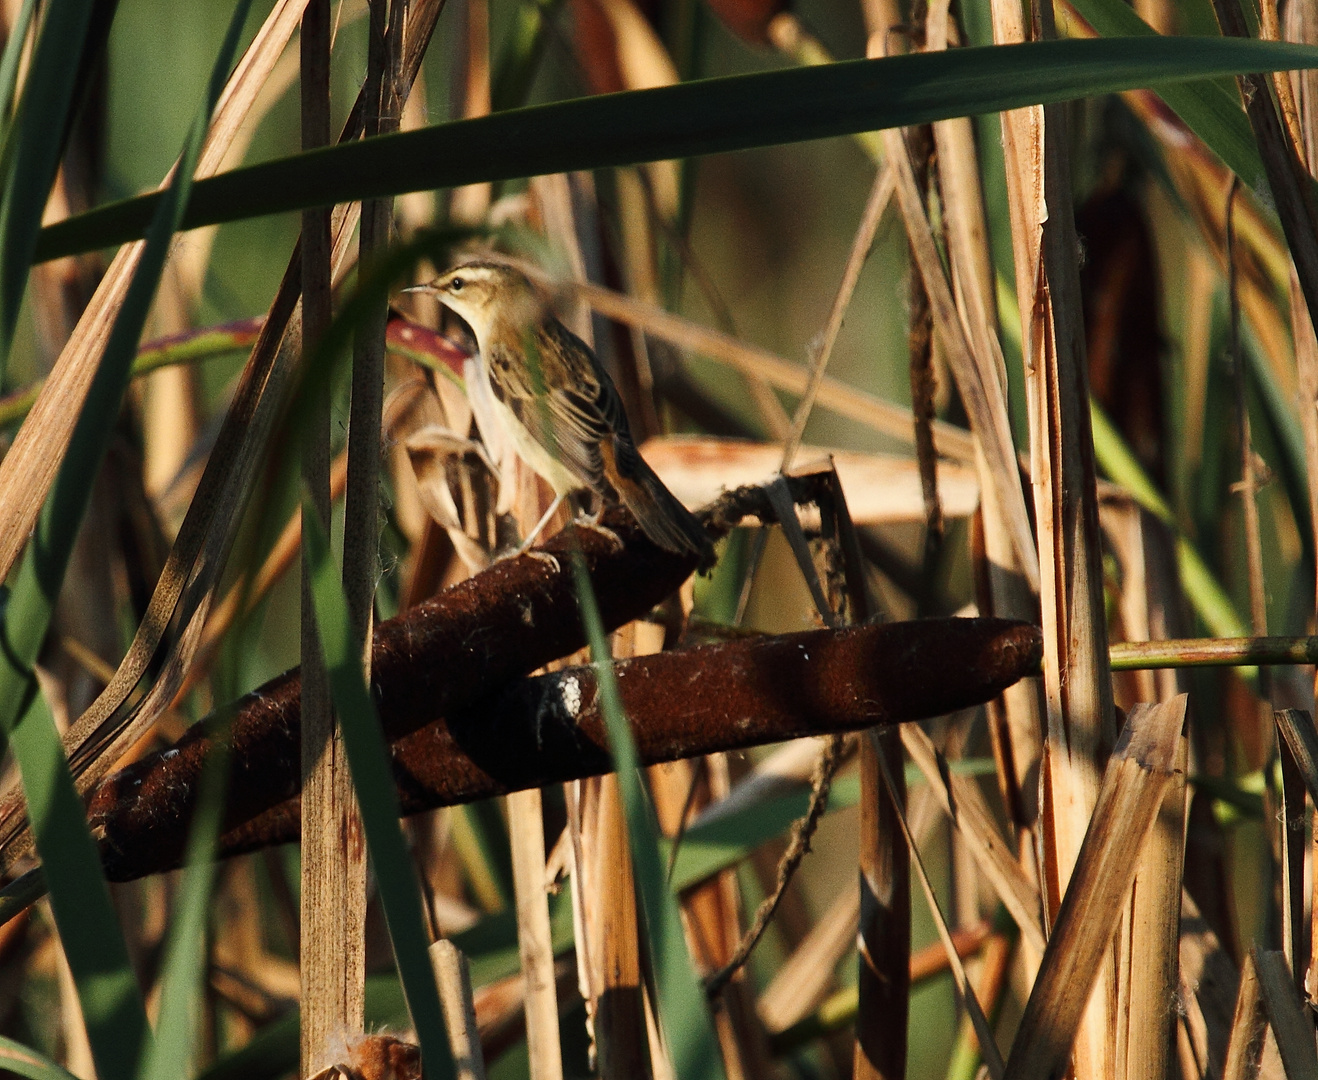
(592,522)
(542,556)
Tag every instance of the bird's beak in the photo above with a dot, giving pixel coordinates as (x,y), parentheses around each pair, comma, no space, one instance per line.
(421,288)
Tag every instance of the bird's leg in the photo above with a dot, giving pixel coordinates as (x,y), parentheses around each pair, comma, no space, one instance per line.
(524,547)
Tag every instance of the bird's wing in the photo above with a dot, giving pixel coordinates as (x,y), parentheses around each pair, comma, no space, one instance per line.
(577,407)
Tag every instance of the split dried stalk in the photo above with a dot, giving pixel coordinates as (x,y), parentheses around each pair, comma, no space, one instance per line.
(1077,682)
(1148,975)
(1140,768)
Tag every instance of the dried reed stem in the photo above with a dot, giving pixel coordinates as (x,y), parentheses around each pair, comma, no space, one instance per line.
(988,1045)
(883,987)
(526,834)
(453,979)
(333,894)
(961,800)
(880,195)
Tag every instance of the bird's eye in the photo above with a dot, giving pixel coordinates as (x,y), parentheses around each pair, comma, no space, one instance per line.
(456,284)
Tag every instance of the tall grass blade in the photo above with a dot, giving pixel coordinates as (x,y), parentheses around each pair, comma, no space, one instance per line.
(29,156)
(9,62)
(23,1061)
(111,1003)
(173,1054)
(706,117)
(688,1031)
(1211,109)
(368,758)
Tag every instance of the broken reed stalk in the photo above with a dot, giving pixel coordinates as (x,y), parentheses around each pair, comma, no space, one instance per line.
(1136,778)
(1148,965)
(1077,681)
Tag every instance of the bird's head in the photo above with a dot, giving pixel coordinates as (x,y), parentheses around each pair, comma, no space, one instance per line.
(487,292)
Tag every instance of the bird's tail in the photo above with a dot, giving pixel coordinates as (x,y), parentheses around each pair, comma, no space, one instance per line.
(661,516)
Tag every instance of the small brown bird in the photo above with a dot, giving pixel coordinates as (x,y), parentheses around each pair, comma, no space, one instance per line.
(556,403)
